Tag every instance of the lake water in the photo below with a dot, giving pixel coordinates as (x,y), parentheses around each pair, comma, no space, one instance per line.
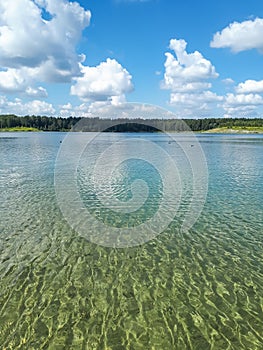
(184,289)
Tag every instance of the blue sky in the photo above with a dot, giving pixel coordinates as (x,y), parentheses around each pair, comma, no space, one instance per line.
(195,58)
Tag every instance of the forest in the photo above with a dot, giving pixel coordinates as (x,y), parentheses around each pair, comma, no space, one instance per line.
(44,123)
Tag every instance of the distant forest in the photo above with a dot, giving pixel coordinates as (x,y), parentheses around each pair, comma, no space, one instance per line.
(124,125)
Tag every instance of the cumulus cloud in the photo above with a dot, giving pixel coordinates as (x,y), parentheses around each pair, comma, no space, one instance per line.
(124,110)
(241,112)
(39,92)
(108,81)
(243,99)
(12,80)
(241,105)
(17,81)
(246,101)
(195,99)
(240,36)
(250,86)
(68,110)
(18,107)
(190,87)
(93,109)
(187,76)
(38,40)
(195,104)
(188,69)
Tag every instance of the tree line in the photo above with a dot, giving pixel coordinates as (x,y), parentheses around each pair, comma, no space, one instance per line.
(45,123)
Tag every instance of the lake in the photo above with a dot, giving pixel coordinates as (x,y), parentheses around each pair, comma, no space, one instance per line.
(196,288)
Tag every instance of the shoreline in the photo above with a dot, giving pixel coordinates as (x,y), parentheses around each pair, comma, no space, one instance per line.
(246,130)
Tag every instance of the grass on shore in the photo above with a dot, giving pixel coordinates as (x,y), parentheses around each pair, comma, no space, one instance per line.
(18,129)
(237,130)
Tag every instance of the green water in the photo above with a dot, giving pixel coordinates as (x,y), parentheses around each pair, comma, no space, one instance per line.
(200,289)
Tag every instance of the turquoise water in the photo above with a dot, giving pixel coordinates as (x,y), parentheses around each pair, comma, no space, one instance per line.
(199,289)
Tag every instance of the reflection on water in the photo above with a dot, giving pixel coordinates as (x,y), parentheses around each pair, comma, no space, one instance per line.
(196,290)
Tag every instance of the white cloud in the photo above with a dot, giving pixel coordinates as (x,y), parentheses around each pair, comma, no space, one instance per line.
(18,107)
(34,48)
(12,80)
(247,100)
(93,109)
(250,86)
(39,92)
(117,100)
(68,110)
(190,87)
(197,104)
(187,76)
(228,81)
(188,69)
(195,99)
(108,81)
(19,81)
(104,109)
(243,99)
(86,109)
(240,36)
(241,112)
(242,105)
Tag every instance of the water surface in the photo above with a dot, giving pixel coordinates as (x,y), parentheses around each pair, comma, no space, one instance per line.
(200,289)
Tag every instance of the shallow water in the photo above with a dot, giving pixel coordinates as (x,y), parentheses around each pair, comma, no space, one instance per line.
(199,289)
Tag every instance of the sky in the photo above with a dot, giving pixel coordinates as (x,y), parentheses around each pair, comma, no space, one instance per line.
(197,59)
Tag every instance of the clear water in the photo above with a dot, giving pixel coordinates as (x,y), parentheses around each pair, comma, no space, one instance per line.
(200,289)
